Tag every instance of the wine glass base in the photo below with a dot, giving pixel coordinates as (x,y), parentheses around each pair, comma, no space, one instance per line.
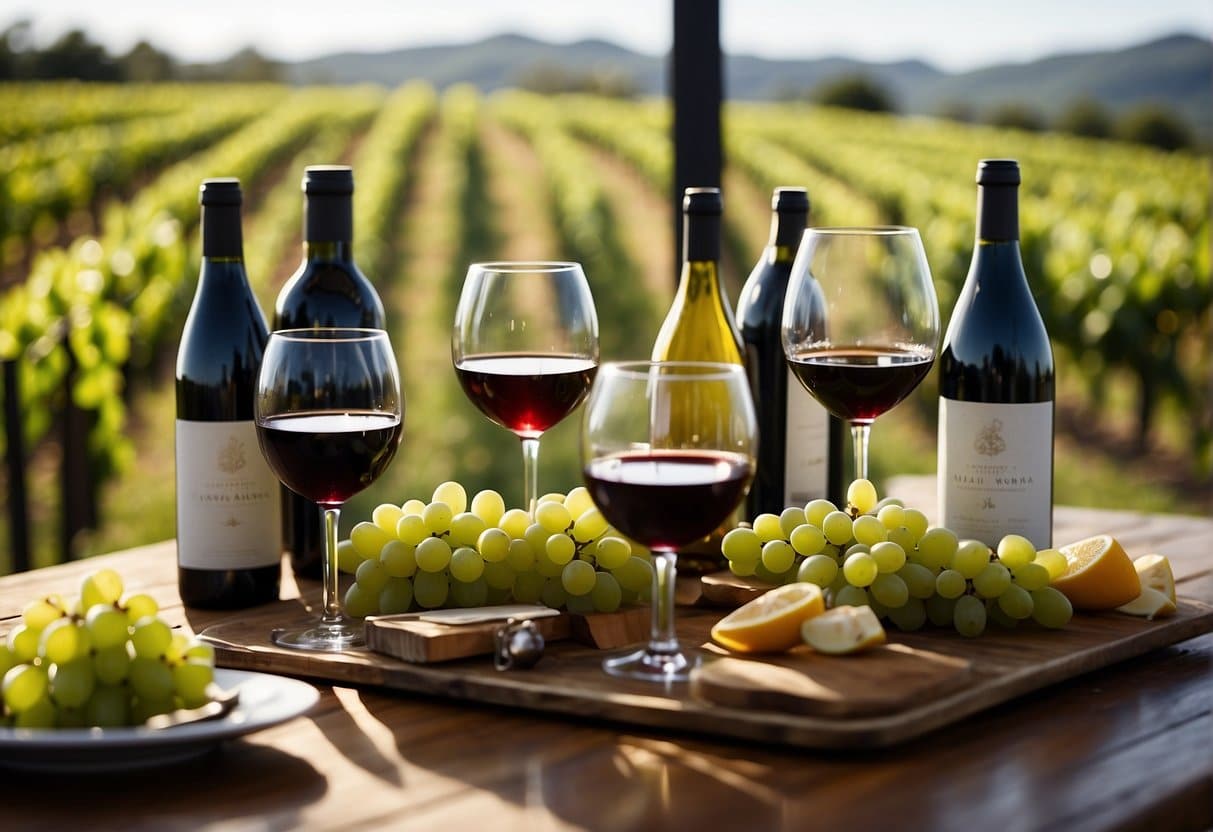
(651,666)
(321,638)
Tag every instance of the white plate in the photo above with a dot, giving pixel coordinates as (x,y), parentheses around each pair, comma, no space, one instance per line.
(265,700)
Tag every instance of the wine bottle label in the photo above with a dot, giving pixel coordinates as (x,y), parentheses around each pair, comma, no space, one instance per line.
(996,470)
(807,446)
(228,508)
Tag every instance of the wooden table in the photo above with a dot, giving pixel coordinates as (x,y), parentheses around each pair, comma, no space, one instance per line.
(1130,747)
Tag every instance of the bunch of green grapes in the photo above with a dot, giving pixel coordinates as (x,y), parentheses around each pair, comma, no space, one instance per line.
(884,555)
(452,553)
(103,661)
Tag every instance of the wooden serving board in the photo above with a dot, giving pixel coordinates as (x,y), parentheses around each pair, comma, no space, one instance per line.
(921,682)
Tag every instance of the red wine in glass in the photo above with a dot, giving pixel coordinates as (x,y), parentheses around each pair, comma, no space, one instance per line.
(524,392)
(329,457)
(667,499)
(860,383)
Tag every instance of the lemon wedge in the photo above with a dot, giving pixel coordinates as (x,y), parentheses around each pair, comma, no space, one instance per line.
(1099,574)
(843,630)
(771,622)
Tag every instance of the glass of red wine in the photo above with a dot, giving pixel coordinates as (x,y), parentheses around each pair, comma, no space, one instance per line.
(860,322)
(667,450)
(525,349)
(329,413)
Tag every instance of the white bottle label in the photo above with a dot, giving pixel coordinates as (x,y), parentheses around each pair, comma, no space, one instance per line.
(807,446)
(228,506)
(996,470)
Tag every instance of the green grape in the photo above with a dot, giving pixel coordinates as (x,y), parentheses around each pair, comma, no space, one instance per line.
(521,557)
(437,517)
(577,578)
(465,529)
(937,548)
(411,529)
(741,545)
(369,539)
(200,650)
(815,511)
(856,548)
(62,641)
(554,517)
(554,594)
(41,715)
(743,569)
(869,531)
(192,679)
(72,682)
(778,556)
(107,626)
(950,584)
(396,596)
(7,661)
(891,515)
(547,567)
(578,501)
(767,527)
(150,638)
(453,495)
(861,495)
(860,569)
(613,552)
(560,548)
(432,554)
(606,594)
(851,596)
(992,581)
(499,575)
(1050,608)
(1016,602)
(387,516)
(528,587)
(471,594)
(347,557)
(1052,560)
(143,709)
(920,581)
(176,648)
(24,685)
(102,587)
(971,557)
(71,717)
(537,536)
(551,497)
(430,589)
(890,590)
(790,518)
(361,600)
(818,569)
(916,522)
(399,559)
(1031,576)
(889,557)
(589,525)
(636,574)
(108,707)
(23,643)
(412,506)
(372,575)
(1015,550)
(940,610)
(151,679)
(111,664)
(909,617)
(807,540)
(489,506)
(514,523)
(902,537)
(40,613)
(995,614)
(494,545)
(838,527)
(466,564)
(580,604)
(969,616)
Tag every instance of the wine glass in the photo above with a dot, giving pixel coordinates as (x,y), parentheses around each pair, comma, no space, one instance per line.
(525,349)
(329,412)
(667,450)
(860,322)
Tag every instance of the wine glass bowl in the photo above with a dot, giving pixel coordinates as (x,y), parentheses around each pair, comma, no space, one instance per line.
(668,451)
(860,322)
(329,411)
(525,348)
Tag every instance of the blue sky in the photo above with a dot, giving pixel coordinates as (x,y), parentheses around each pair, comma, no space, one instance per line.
(953,34)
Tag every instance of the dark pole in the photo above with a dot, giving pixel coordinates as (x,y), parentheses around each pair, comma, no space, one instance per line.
(14,452)
(697,89)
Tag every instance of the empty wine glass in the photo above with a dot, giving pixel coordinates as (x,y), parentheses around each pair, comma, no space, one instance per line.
(667,450)
(329,413)
(860,322)
(525,349)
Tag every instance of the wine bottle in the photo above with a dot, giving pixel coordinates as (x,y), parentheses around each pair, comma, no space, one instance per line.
(326,290)
(996,384)
(800,455)
(229,544)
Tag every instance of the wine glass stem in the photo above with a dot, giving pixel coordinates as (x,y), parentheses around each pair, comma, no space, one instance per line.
(859,438)
(662,638)
(530,474)
(332,592)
